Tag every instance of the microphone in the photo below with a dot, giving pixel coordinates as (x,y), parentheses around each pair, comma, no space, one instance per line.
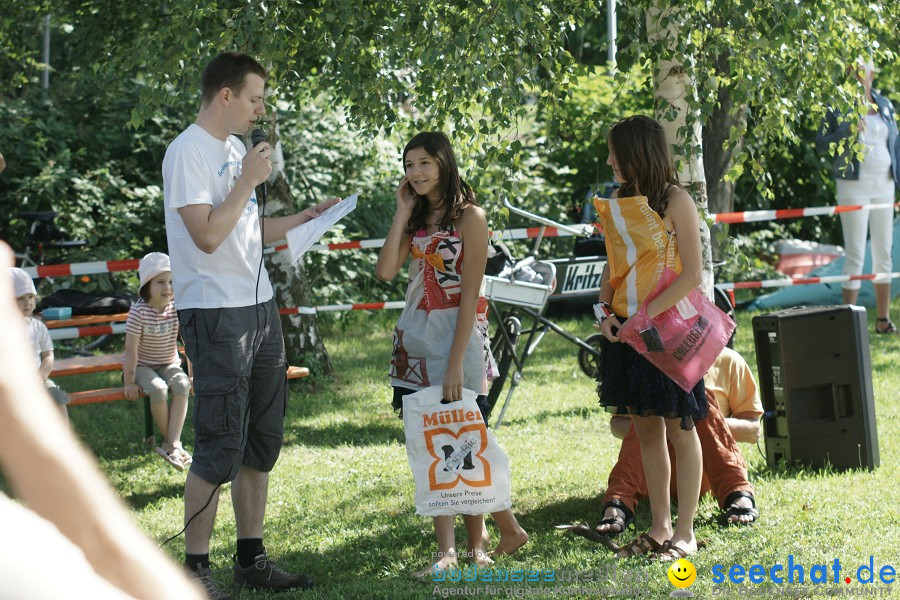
(257,136)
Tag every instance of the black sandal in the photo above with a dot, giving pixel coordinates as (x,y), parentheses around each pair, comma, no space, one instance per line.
(738,511)
(619,521)
(891,329)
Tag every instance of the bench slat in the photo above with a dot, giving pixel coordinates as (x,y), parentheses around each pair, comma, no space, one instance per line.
(82,320)
(82,365)
(118,393)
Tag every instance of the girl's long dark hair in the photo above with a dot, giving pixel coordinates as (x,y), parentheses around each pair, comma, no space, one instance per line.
(644,160)
(456,194)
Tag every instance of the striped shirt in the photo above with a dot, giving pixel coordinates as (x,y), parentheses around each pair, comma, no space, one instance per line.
(157,331)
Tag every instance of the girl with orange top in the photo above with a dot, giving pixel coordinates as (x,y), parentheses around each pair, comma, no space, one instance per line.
(642,222)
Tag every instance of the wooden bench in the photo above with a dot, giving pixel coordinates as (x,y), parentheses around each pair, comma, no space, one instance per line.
(118,393)
(83,365)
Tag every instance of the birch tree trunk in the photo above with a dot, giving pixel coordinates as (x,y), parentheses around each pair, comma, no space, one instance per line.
(303,344)
(716,158)
(682,124)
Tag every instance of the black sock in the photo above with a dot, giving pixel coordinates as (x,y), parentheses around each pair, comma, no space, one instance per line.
(195,562)
(248,549)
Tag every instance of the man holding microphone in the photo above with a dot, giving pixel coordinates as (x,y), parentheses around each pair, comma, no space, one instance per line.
(228,317)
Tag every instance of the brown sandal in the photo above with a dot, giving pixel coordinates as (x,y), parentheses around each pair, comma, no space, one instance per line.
(669,552)
(186,458)
(642,545)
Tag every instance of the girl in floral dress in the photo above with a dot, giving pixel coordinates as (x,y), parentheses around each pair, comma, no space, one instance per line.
(441,338)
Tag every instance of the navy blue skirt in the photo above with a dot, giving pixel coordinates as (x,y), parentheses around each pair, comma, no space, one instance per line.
(628,383)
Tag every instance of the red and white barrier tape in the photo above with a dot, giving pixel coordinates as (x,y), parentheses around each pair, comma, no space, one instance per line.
(507,234)
(64,333)
(335,246)
(85,268)
(67,333)
(112,266)
(311,310)
(766,283)
(751,216)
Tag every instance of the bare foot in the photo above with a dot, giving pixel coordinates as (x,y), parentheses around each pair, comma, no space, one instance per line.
(480,558)
(660,534)
(447,561)
(510,542)
(475,553)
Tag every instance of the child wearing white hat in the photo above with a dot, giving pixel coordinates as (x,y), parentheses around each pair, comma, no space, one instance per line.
(26,297)
(150,363)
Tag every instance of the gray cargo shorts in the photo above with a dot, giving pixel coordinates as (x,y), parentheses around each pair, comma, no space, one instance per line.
(240,388)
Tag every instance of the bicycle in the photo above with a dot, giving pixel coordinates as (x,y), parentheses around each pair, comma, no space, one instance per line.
(44,234)
(525,300)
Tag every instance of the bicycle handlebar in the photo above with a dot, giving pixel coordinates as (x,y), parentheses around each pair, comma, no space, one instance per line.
(584,231)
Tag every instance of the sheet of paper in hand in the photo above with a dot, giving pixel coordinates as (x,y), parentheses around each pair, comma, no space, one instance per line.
(301,237)
(457,464)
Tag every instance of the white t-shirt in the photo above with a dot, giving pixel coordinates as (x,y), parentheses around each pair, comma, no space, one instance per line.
(875,140)
(876,182)
(40,339)
(200,169)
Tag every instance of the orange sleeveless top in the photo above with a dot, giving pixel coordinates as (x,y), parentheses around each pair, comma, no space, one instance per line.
(638,247)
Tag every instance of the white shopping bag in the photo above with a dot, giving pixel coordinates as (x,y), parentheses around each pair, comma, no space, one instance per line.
(457,464)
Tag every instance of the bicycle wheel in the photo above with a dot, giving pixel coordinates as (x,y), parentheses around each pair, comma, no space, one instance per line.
(588,361)
(503,356)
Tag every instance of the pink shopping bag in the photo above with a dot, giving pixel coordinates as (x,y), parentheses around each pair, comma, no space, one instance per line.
(682,342)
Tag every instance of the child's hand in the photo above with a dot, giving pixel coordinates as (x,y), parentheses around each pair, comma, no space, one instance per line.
(133,391)
(607,326)
(453,383)
(406,199)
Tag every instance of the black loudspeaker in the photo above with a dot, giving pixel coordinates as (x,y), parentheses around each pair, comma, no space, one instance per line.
(815,381)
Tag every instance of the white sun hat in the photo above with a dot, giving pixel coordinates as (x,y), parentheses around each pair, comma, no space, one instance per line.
(22,283)
(152,265)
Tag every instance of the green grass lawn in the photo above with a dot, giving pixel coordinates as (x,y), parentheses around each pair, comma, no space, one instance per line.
(341,496)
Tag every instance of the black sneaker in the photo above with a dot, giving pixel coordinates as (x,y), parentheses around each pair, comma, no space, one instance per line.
(264,574)
(202,578)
